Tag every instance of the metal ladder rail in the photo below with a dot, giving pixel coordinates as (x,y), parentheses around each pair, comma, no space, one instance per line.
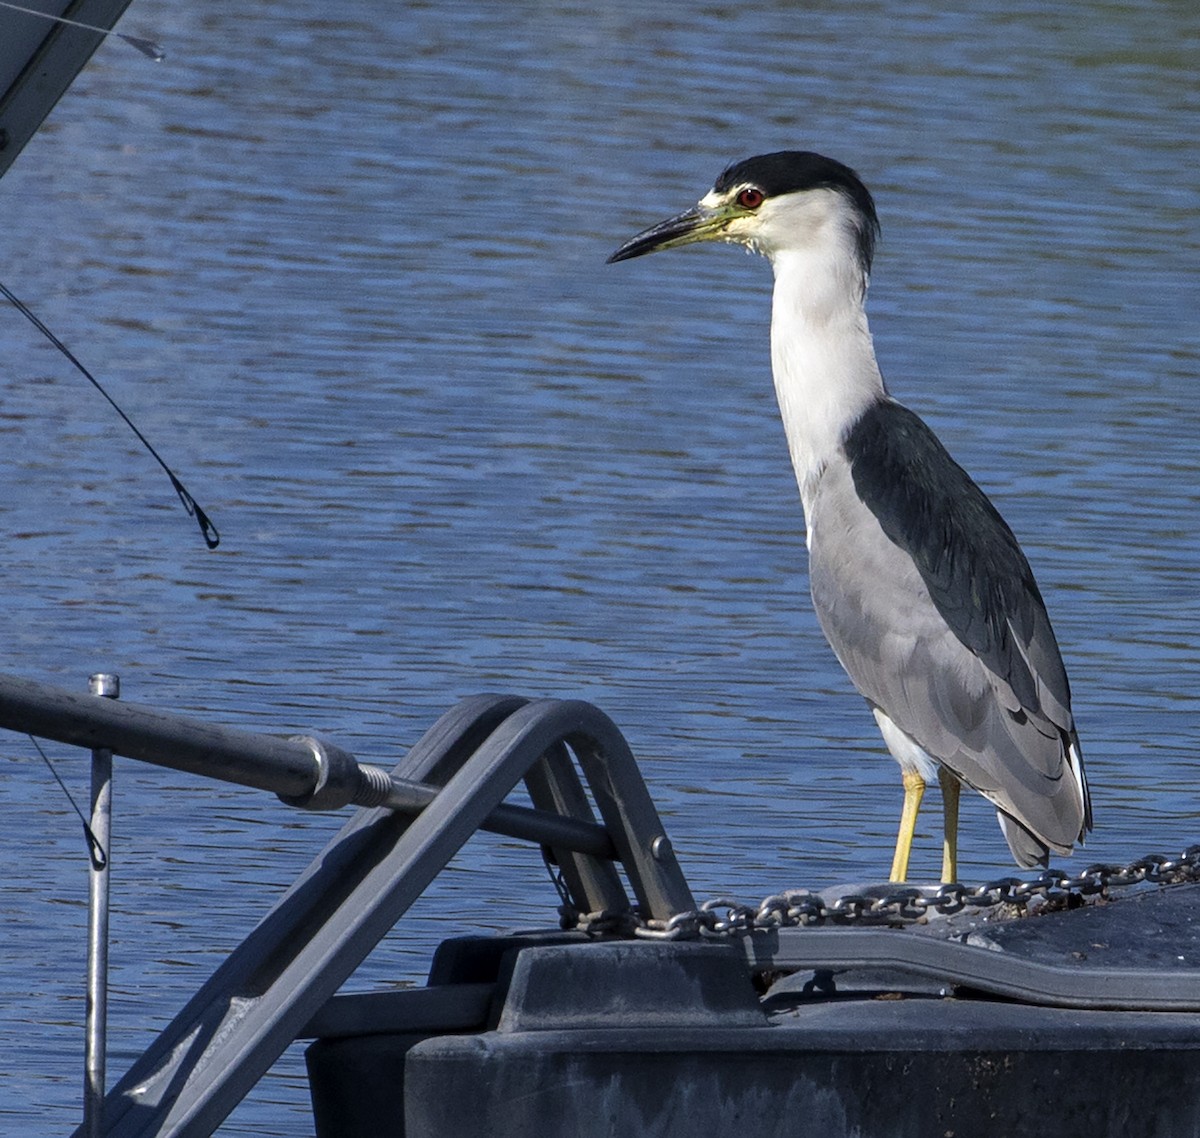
(257,1001)
(591,881)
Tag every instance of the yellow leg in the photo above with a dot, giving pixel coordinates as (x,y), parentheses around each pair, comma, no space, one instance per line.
(914,791)
(950,789)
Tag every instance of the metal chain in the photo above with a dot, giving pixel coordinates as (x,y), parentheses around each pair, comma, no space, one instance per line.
(615,922)
(799,907)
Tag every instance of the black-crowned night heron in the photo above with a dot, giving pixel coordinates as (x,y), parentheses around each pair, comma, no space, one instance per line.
(919,585)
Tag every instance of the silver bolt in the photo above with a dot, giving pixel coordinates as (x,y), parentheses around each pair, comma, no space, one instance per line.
(660,848)
(106,684)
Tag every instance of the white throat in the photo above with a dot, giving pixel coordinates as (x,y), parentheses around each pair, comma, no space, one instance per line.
(821,353)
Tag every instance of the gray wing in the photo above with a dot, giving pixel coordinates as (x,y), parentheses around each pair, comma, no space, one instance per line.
(930,605)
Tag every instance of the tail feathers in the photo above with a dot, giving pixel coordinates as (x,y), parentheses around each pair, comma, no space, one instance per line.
(1027,848)
(1069,815)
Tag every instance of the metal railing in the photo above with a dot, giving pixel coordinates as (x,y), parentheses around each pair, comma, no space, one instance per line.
(414,819)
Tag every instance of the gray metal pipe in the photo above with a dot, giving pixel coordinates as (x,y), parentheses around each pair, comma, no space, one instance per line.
(282,766)
(520,822)
(301,770)
(95,1048)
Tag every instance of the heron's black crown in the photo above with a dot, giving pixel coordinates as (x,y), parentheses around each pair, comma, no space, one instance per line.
(793,171)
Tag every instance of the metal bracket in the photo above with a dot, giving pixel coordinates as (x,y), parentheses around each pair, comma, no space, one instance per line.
(260,998)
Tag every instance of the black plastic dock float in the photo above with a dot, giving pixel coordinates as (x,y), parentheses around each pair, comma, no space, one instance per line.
(554,1035)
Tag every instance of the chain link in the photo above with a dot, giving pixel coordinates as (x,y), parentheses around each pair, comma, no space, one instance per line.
(905,904)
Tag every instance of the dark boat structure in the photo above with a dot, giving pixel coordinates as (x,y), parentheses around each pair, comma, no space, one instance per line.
(877,1014)
(946,1012)
(40,55)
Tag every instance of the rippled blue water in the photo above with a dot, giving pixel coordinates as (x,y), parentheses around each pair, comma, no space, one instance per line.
(345,267)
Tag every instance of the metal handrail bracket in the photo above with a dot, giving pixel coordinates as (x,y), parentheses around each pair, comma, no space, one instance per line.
(451,784)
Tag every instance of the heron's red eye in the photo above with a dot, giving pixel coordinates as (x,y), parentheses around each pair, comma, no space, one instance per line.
(750,198)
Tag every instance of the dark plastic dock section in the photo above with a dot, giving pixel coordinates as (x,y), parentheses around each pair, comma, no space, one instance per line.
(553,1035)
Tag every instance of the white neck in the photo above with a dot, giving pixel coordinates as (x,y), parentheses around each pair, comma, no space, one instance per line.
(821,353)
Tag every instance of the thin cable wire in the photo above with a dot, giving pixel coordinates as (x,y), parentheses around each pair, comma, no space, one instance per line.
(147,47)
(212,537)
(97,852)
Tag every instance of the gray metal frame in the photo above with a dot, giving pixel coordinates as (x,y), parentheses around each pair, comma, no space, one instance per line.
(451,784)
